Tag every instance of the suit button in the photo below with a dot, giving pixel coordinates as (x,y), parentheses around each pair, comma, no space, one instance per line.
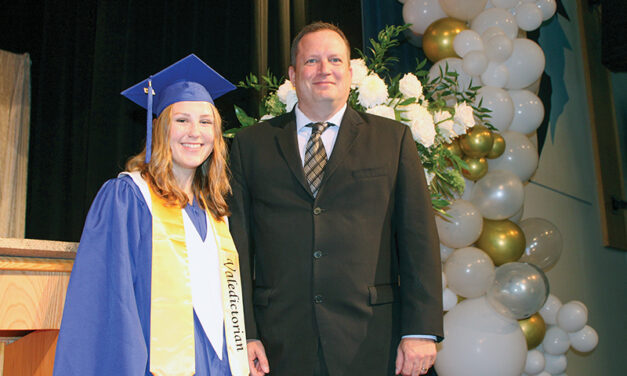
(317,254)
(317,211)
(318,299)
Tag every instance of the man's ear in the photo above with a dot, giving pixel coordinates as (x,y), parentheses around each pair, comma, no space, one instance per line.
(291,73)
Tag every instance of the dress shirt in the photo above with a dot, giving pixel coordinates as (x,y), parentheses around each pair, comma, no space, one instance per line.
(328,140)
(328,136)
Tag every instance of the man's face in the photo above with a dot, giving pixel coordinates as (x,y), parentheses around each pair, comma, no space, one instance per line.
(322,74)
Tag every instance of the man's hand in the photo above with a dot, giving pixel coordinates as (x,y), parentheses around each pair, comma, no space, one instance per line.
(414,356)
(257,360)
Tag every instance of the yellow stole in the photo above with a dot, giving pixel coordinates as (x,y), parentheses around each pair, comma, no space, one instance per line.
(172,350)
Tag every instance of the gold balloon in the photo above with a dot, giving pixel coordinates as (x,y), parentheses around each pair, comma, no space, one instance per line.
(454,148)
(477,168)
(534,329)
(498,146)
(437,41)
(502,240)
(476,143)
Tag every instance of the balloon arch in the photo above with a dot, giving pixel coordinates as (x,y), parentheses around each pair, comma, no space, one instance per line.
(500,316)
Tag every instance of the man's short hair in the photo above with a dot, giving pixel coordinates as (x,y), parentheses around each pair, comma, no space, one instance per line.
(312,28)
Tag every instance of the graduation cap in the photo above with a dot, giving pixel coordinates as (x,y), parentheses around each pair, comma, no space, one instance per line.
(189,79)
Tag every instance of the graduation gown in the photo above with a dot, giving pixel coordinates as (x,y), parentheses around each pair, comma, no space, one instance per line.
(106,319)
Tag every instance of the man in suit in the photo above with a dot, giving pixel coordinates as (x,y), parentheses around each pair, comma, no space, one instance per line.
(340,260)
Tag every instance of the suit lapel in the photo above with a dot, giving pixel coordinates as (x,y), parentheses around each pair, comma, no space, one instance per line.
(288,144)
(349,130)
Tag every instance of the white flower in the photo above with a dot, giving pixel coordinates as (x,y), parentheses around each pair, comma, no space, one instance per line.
(429,176)
(421,124)
(464,118)
(360,71)
(410,86)
(444,122)
(381,110)
(284,91)
(291,100)
(266,117)
(372,91)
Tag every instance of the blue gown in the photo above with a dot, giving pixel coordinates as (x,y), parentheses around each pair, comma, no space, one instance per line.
(106,319)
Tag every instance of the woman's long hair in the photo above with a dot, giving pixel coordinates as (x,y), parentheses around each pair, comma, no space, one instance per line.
(211,182)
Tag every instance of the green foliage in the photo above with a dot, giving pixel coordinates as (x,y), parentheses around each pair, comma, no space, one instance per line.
(378,61)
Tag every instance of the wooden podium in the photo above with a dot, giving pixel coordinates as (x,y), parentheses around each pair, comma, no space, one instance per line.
(34,275)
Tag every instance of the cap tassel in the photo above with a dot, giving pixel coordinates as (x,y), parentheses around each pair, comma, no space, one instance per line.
(149,121)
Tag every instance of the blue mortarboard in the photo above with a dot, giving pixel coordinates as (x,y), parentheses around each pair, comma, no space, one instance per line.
(189,79)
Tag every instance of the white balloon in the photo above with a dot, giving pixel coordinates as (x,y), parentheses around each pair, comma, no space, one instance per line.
(490,32)
(498,195)
(556,341)
(547,7)
(469,271)
(572,316)
(506,4)
(498,48)
(445,252)
(543,243)
(584,340)
(534,363)
(516,217)
(421,14)
(461,227)
(443,280)
(475,63)
(527,60)
(528,111)
(454,64)
(495,17)
(500,104)
(555,364)
(549,310)
(528,16)
(519,157)
(543,373)
(464,10)
(466,41)
(495,75)
(449,299)
(480,342)
(534,87)
(468,190)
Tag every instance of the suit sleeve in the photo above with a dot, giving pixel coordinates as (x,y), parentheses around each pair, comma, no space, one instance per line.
(239,223)
(101,333)
(418,247)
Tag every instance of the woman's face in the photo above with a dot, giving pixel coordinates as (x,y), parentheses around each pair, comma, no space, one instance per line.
(191,135)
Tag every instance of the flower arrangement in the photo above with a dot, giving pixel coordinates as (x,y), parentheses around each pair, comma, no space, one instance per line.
(436,109)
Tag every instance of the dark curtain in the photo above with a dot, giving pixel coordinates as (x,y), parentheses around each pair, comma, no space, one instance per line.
(84,53)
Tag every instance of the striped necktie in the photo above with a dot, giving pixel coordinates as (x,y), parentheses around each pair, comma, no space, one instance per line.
(315,156)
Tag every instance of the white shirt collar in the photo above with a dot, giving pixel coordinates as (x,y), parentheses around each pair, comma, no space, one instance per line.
(302,120)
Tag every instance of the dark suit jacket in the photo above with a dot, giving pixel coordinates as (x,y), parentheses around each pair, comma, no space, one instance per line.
(356,267)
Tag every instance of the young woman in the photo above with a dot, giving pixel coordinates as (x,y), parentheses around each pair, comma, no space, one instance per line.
(155,285)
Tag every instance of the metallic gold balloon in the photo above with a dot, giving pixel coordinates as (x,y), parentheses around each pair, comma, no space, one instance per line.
(454,148)
(477,168)
(502,240)
(476,143)
(437,41)
(498,146)
(534,329)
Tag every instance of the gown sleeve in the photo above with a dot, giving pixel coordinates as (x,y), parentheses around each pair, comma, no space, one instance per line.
(104,330)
